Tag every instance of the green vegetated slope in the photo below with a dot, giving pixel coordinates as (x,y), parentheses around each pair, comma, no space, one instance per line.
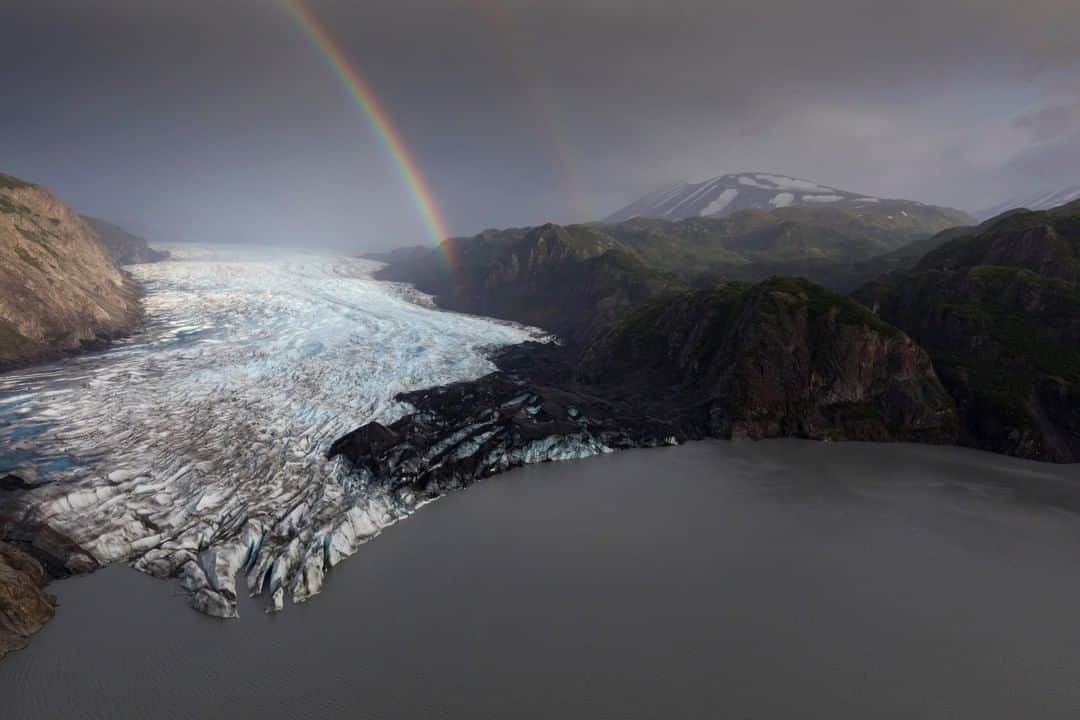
(785,357)
(999,310)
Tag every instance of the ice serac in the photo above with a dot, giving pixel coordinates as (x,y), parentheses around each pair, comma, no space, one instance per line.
(197,450)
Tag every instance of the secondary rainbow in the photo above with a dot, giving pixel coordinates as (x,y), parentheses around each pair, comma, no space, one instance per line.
(546,109)
(377,117)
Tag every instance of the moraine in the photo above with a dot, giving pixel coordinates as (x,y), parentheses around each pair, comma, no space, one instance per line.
(197,449)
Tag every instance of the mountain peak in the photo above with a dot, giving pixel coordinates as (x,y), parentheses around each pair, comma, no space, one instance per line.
(725,194)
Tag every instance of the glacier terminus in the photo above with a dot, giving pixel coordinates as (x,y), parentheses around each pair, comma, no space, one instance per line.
(197,449)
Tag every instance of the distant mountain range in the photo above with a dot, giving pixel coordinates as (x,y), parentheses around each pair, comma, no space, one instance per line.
(755,244)
(591,273)
(687,322)
(728,194)
(1035,201)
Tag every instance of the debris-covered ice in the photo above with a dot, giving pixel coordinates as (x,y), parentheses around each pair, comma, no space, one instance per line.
(198,448)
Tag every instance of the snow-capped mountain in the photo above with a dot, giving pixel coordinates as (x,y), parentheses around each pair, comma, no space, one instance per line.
(1036,201)
(726,194)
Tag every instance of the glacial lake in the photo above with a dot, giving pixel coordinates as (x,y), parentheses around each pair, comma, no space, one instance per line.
(748,580)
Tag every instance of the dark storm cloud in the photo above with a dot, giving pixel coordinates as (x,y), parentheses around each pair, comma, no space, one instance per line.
(208,120)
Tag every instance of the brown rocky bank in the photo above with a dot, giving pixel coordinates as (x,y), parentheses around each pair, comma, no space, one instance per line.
(59,289)
(24,605)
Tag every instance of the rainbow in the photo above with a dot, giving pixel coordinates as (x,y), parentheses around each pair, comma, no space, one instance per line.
(379,120)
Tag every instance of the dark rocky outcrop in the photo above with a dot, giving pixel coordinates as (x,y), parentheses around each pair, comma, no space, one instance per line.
(59,290)
(24,606)
(785,358)
(58,554)
(124,248)
(997,308)
(530,411)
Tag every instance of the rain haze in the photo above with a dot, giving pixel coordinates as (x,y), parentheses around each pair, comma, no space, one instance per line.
(221,121)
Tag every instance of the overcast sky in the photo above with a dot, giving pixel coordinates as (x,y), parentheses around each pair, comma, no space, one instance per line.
(218,121)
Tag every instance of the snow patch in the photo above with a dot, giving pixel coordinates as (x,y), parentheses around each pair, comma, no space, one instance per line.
(720,202)
(783,182)
(751,182)
(698,192)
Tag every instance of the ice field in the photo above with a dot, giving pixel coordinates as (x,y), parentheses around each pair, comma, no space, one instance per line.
(198,447)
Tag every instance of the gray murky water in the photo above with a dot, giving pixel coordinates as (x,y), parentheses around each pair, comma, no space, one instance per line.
(768,580)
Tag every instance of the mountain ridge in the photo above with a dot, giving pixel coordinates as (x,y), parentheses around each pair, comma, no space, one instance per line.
(1043,200)
(1009,283)
(997,309)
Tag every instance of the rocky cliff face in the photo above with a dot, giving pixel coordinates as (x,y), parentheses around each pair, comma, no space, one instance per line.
(783,358)
(997,309)
(24,606)
(124,248)
(59,290)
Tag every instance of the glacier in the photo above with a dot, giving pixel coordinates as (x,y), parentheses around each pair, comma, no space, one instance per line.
(197,449)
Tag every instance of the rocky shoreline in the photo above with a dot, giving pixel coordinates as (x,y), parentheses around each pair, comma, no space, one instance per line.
(842,378)
(24,605)
(32,554)
(529,411)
